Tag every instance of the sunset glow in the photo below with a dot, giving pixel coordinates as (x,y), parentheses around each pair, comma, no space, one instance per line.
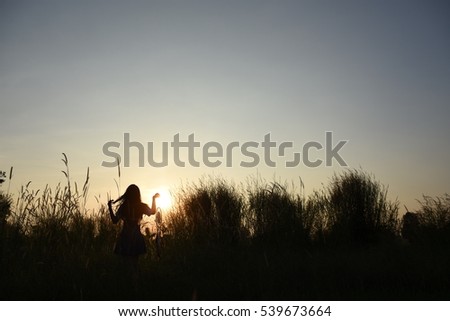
(271,151)
(164,201)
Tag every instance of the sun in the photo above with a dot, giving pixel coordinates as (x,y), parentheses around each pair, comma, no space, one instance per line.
(164,201)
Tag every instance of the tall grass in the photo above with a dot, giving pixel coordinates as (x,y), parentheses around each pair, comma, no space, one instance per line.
(208,211)
(50,235)
(433,219)
(277,214)
(5,207)
(216,211)
(263,240)
(51,210)
(358,209)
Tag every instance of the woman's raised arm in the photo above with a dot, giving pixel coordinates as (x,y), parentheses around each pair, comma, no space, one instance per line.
(153,209)
(114,218)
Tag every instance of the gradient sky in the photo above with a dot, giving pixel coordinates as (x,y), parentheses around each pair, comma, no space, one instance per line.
(77,74)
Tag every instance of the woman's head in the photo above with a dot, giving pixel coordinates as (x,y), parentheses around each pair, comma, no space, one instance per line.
(132,195)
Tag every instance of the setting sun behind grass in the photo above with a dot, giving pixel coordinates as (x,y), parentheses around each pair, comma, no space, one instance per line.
(164,201)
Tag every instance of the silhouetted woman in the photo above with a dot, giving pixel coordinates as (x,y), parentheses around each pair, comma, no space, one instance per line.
(130,243)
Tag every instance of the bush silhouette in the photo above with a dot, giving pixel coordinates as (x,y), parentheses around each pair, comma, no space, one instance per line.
(434,220)
(358,210)
(277,215)
(5,208)
(210,211)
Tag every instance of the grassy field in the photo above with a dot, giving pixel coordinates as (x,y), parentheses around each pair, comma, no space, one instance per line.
(263,241)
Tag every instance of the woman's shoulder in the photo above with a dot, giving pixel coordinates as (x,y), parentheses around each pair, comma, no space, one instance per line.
(144,208)
(140,208)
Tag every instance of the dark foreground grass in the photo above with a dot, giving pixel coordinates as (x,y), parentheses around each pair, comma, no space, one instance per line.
(223,242)
(251,273)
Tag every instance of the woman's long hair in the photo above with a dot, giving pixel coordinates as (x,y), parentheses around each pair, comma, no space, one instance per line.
(131,198)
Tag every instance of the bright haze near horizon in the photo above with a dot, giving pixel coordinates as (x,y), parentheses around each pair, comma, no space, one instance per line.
(75,75)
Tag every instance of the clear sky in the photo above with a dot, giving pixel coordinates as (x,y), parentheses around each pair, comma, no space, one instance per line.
(75,75)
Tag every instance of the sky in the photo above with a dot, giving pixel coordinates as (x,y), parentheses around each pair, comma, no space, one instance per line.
(76,75)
